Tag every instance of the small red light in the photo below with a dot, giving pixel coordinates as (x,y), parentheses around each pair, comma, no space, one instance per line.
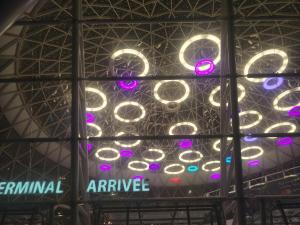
(175,180)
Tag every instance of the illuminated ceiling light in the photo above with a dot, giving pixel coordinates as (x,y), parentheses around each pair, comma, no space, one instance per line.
(249,139)
(200,67)
(89,117)
(126,153)
(136,53)
(136,143)
(228,160)
(294,112)
(167,169)
(195,129)
(96,127)
(218,88)
(159,151)
(154,166)
(89,147)
(184,97)
(282,95)
(216,144)
(192,168)
(197,38)
(259,150)
(105,167)
(285,141)
(175,180)
(267,86)
(260,55)
(197,159)
(129,103)
(138,177)
(107,149)
(251,112)
(253,163)
(144,164)
(128,85)
(185,143)
(204,166)
(104,103)
(215,176)
(282,124)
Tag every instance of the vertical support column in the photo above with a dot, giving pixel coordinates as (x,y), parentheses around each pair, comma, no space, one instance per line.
(263,212)
(76,7)
(235,115)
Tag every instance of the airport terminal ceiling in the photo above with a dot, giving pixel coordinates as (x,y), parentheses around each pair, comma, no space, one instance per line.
(151,107)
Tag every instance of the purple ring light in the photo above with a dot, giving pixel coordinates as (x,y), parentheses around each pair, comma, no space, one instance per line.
(215,176)
(267,86)
(128,85)
(285,141)
(89,117)
(185,143)
(250,139)
(154,166)
(105,167)
(89,147)
(126,153)
(253,163)
(138,177)
(204,62)
(294,112)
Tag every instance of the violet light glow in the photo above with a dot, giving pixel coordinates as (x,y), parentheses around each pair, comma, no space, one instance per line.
(128,85)
(249,139)
(126,153)
(185,143)
(204,62)
(294,112)
(89,147)
(89,117)
(105,167)
(285,141)
(138,177)
(253,163)
(154,166)
(215,176)
(267,86)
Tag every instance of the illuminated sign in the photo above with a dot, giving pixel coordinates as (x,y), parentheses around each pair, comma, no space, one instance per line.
(55,187)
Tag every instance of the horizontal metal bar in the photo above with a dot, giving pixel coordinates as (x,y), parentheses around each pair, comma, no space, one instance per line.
(31,140)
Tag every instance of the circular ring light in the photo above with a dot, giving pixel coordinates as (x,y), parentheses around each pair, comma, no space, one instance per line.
(267,86)
(200,69)
(253,163)
(197,159)
(107,149)
(126,145)
(249,139)
(128,85)
(159,151)
(197,38)
(192,168)
(282,95)
(285,141)
(250,112)
(204,166)
(218,88)
(215,176)
(96,127)
(282,124)
(89,117)
(167,169)
(260,55)
(218,142)
(145,164)
(184,97)
(105,167)
(294,112)
(154,166)
(126,153)
(96,91)
(260,151)
(136,53)
(183,124)
(129,103)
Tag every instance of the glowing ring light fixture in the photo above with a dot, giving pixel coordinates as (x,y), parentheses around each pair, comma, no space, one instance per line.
(197,38)
(218,104)
(129,103)
(183,124)
(145,164)
(282,95)
(261,54)
(107,149)
(251,112)
(96,127)
(218,142)
(96,91)
(201,63)
(136,53)
(199,157)
(204,166)
(259,153)
(181,169)
(184,97)
(282,124)
(267,86)
(137,142)
(159,151)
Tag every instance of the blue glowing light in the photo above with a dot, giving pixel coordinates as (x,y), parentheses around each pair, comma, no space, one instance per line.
(192,168)
(267,86)
(228,160)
